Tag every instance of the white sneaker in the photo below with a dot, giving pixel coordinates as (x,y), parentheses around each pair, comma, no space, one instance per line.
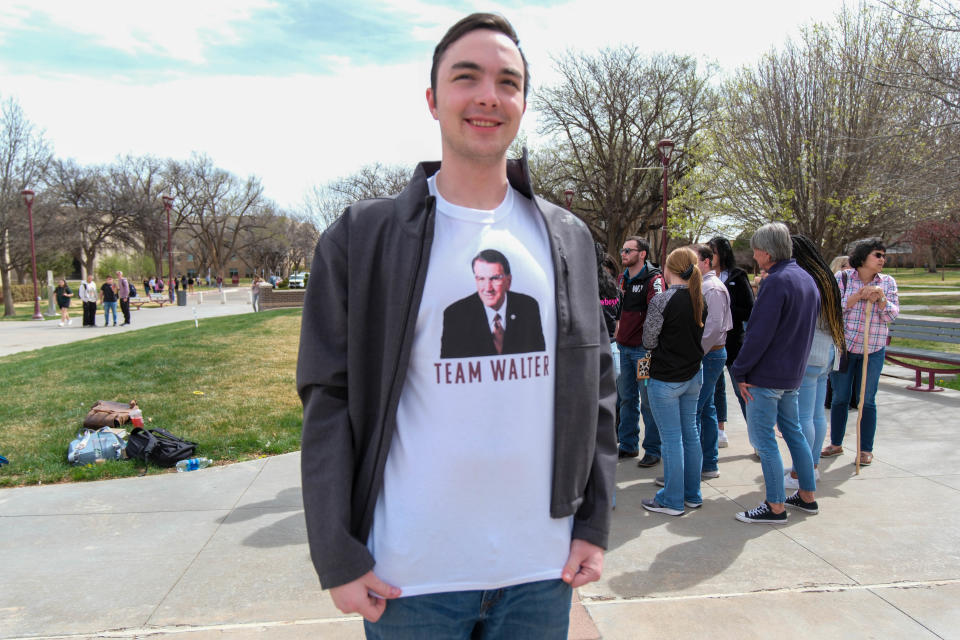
(722,440)
(69,322)
(61,323)
(789,482)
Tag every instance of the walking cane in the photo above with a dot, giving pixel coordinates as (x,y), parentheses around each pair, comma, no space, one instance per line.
(863,379)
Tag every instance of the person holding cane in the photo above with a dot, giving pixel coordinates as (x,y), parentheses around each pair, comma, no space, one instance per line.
(862,285)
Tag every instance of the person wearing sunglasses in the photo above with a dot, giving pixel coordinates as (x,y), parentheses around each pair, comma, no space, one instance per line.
(860,285)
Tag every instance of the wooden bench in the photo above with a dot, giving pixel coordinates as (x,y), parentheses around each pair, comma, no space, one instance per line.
(157,298)
(930,330)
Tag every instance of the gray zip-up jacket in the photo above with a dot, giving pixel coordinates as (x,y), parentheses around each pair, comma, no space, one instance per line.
(359,316)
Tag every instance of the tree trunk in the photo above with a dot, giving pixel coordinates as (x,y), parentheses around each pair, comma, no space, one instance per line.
(8,309)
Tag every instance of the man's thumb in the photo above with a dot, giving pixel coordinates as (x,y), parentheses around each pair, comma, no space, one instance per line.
(381,588)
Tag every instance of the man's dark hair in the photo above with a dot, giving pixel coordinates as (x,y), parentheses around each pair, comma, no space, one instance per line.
(492,256)
(724,251)
(703,251)
(642,244)
(472,22)
(863,249)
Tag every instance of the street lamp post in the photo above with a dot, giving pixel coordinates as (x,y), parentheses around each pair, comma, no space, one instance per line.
(28,199)
(666,150)
(167,204)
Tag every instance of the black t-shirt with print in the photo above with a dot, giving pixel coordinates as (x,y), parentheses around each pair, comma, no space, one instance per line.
(108,293)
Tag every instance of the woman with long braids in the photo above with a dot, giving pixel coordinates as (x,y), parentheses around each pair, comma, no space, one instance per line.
(672,332)
(828,343)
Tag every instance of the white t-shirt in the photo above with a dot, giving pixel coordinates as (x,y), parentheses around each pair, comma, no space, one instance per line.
(465,502)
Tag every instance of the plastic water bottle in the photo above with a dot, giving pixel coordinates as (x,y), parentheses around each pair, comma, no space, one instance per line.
(136,417)
(193,464)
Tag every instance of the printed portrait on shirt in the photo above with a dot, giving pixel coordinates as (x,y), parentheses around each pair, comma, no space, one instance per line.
(493,320)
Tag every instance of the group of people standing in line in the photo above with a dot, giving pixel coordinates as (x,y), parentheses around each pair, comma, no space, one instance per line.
(674,329)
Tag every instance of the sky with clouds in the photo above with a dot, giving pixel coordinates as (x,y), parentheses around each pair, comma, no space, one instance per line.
(299,92)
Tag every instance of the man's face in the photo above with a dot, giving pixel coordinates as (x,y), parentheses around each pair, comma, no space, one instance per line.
(762,258)
(109,279)
(705,265)
(630,255)
(479,97)
(492,283)
(89,277)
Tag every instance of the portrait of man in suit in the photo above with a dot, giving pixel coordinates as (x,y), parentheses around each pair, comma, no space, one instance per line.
(494,320)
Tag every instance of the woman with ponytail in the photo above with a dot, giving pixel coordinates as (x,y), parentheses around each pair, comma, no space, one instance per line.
(672,332)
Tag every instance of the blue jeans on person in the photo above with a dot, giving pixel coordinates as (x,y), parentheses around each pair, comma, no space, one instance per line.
(768,409)
(616,358)
(713,363)
(720,399)
(532,610)
(813,417)
(674,407)
(842,384)
(109,307)
(632,396)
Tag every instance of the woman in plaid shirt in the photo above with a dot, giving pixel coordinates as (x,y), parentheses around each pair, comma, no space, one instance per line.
(858,286)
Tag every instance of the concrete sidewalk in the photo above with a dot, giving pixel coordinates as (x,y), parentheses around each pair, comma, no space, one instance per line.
(26,335)
(222,552)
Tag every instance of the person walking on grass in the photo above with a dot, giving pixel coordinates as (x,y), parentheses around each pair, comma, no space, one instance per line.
(770,368)
(673,332)
(457,497)
(63,293)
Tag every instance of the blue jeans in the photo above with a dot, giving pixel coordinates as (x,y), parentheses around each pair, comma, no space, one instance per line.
(842,384)
(720,399)
(771,407)
(632,396)
(616,358)
(813,417)
(532,610)
(674,406)
(109,307)
(713,363)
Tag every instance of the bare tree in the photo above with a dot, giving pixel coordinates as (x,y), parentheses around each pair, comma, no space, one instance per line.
(605,117)
(215,208)
(806,139)
(324,204)
(24,156)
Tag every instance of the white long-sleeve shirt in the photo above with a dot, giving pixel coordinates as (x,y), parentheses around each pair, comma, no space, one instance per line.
(719,319)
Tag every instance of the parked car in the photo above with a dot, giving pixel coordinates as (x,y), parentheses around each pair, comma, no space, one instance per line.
(298,280)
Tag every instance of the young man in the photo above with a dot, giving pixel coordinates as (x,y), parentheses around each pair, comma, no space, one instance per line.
(88,295)
(451,496)
(123,294)
(108,298)
(719,322)
(639,283)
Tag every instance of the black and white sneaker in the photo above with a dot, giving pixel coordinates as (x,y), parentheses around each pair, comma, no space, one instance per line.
(796,502)
(653,505)
(762,515)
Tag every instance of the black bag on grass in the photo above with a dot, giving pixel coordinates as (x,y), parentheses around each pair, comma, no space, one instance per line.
(158,446)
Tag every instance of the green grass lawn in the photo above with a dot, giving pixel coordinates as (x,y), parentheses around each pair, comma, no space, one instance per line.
(930,301)
(228,386)
(951,277)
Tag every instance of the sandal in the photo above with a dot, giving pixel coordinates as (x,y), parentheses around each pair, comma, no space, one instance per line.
(865,458)
(831,450)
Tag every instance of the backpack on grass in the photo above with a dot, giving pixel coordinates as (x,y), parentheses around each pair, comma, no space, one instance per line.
(91,446)
(108,414)
(158,446)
